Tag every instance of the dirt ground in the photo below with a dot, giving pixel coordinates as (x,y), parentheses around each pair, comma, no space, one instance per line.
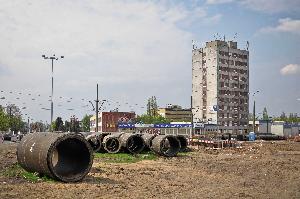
(257,170)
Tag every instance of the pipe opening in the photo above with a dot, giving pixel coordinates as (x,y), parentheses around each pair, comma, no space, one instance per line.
(170,146)
(112,145)
(95,144)
(135,144)
(70,159)
(183,143)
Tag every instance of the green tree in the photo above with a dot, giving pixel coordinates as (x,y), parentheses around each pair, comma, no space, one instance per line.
(147,119)
(152,108)
(86,123)
(283,116)
(67,126)
(265,114)
(4,121)
(58,125)
(16,124)
(74,124)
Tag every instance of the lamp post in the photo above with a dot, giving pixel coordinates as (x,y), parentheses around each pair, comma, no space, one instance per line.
(254,111)
(52,60)
(192,122)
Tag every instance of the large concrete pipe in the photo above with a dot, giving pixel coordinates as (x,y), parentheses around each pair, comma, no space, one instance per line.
(66,157)
(101,136)
(133,143)
(147,137)
(112,143)
(183,142)
(93,140)
(166,145)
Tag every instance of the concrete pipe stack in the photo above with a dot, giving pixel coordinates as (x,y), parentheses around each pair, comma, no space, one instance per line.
(128,142)
(67,157)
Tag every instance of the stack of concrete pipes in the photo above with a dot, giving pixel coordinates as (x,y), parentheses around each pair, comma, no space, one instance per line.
(68,157)
(165,145)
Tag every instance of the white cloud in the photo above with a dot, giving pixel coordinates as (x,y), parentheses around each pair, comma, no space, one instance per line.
(218,1)
(267,6)
(126,46)
(290,69)
(284,25)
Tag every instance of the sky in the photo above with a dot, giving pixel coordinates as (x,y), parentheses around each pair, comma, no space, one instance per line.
(136,49)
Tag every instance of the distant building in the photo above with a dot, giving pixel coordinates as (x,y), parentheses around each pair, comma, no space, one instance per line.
(220,85)
(283,129)
(275,127)
(176,113)
(261,126)
(108,121)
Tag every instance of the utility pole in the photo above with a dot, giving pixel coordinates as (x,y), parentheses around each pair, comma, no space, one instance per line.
(52,59)
(97,111)
(28,125)
(192,122)
(254,111)
(254,117)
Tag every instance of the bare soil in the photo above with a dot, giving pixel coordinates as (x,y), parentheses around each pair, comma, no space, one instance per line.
(257,170)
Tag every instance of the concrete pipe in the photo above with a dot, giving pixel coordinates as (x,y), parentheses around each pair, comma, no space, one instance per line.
(165,145)
(93,140)
(183,142)
(133,143)
(147,137)
(101,136)
(111,143)
(67,157)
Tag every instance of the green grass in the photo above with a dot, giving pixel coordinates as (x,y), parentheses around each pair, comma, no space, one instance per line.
(185,153)
(124,157)
(17,171)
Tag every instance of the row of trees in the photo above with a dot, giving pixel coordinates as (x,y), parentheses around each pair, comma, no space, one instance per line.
(74,125)
(291,118)
(152,116)
(10,119)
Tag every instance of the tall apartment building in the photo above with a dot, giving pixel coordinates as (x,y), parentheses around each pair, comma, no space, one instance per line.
(220,85)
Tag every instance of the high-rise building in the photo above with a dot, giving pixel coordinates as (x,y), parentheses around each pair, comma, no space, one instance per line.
(220,85)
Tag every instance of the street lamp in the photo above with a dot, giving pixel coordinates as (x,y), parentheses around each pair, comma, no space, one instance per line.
(254,110)
(52,59)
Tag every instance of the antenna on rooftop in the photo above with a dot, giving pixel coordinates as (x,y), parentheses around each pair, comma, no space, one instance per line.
(193,44)
(247,46)
(215,38)
(235,36)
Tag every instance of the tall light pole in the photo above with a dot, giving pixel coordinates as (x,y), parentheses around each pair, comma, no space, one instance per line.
(192,122)
(52,60)
(97,111)
(254,110)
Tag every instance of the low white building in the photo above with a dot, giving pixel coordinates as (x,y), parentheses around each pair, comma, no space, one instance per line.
(283,129)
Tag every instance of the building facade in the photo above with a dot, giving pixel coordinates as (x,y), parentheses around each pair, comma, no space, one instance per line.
(220,85)
(108,121)
(176,113)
